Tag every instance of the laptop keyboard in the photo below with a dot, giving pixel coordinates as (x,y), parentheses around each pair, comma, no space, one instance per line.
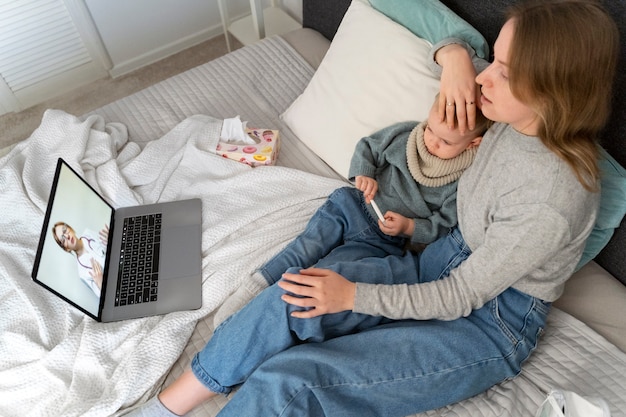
(137,280)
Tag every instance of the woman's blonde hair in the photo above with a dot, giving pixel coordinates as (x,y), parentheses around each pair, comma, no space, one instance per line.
(562,63)
(56,238)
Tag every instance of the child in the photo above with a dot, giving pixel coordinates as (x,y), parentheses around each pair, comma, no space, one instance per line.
(418,167)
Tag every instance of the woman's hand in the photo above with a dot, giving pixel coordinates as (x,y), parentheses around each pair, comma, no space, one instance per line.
(324,292)
(104,235)
(396,224)
(367,185)
(458,94)
(96,272)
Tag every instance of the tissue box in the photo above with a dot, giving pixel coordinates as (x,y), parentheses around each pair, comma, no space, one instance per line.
(263,152)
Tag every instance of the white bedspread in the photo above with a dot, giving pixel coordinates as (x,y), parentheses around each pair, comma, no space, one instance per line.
(54,361)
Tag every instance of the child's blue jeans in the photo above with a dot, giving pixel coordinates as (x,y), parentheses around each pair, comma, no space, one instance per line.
(341,230)
(350,364)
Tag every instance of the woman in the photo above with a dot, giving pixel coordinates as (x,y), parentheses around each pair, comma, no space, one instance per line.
(401,335)
(90,251)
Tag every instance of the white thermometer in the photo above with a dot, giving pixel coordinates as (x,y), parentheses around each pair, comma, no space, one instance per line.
(377,210)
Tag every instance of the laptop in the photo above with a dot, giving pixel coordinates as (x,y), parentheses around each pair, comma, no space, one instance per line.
(118,264)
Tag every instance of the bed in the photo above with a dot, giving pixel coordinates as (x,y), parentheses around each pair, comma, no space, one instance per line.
(156,145)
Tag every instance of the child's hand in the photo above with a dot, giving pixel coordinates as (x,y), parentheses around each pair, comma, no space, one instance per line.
(396,224)
(367,185)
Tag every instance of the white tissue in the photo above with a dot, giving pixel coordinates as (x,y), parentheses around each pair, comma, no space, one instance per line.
(233,131)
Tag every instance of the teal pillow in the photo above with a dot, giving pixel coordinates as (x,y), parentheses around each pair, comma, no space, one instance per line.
(433,21)
(612,207)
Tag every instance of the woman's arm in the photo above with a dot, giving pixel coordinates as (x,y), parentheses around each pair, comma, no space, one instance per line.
(457,64)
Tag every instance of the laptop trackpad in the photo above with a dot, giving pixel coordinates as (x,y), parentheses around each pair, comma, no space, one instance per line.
(180,254)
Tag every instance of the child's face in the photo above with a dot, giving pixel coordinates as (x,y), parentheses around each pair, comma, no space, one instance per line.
(443,142)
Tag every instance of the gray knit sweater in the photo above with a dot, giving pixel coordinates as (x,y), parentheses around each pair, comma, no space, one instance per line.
(526,218)
(411,181)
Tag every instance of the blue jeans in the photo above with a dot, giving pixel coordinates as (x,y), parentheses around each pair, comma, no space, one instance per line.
(350,364)
(341,230)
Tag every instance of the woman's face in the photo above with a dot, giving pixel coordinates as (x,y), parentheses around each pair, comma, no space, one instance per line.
(497,101)
(66,236)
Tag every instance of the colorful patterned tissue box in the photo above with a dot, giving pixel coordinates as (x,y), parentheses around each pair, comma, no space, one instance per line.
(263,152)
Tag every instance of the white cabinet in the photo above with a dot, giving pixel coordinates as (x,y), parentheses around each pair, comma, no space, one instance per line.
(261,22)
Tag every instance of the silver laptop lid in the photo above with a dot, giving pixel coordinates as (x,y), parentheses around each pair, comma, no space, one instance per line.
(72,256)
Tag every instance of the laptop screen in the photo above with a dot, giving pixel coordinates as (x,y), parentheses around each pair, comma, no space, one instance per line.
(72,252)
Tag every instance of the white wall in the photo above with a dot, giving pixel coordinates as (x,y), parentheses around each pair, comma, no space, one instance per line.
(138,32)
(294,8)
(121,36)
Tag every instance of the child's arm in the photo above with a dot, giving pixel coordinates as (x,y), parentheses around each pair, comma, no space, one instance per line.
(369,153)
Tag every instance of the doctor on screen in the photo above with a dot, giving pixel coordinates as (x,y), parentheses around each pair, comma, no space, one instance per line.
(90,249)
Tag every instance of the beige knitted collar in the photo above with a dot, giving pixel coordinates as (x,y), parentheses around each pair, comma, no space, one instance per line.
(430,170)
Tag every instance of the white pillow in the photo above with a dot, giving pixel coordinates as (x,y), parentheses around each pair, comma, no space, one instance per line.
(374,75)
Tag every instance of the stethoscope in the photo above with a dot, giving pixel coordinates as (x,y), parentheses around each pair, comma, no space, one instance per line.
(90,247)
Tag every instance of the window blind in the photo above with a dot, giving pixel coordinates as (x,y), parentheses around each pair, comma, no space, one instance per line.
(38,40)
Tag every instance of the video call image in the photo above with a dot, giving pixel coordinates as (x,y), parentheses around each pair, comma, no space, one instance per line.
(73,257)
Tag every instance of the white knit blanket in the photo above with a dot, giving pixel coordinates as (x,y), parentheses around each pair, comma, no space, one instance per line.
(54,361)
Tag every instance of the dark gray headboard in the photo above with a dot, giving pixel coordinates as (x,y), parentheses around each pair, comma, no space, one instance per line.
(487,17)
